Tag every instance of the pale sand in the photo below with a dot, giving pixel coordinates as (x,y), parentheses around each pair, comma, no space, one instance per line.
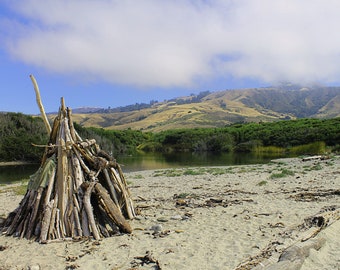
(224,219)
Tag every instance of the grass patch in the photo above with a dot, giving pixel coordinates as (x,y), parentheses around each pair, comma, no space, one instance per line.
(330,163)
(262,183)
(185,195)
(219,171)
(316,167)
(168,173)
(193,172)
(202,171)
(243,170)
(138,176)
(283,173)
(19,189)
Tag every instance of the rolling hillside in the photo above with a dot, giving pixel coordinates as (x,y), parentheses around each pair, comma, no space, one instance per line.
(216,109)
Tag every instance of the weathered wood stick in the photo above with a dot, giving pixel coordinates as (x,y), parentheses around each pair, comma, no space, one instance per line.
(77,216)
(76,204)
(122,177)
(68,139)
(57,223)
(85,223)
(89,211)
(103,230)
(121,182)
(46,221)
(53,222)
(22,213)
(62,107)
(50,187)
(111,208)
(54,132)
(111,187)
(70,205)
(87,143)
(70,123)
(82,163)
(61,177)
(78,138)
(107,219)
(23,226)
(19,212)
(85,155)
(71,223)
(77,172)
(128,204)
(41,107)
(62,174)
(117,178)
(32,221)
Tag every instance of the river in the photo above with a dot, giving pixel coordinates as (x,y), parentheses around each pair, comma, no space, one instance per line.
(151,161)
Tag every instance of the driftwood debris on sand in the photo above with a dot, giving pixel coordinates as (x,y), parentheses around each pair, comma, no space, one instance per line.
(78,191)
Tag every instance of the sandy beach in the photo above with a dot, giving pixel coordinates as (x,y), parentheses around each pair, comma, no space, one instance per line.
(233,217)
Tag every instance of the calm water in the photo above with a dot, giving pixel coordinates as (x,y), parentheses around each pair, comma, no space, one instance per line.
(174,160)
(151,161)
(10,174)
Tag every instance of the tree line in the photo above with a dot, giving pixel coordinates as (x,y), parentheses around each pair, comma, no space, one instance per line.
(19,131)
(245,137)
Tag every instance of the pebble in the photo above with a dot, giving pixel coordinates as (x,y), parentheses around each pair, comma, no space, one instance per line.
(177,217)
(181,202)
(34,267)
(156,228)
(162,219)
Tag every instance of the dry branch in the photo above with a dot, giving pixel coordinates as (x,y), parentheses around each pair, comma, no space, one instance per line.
(40,105)
(112,209)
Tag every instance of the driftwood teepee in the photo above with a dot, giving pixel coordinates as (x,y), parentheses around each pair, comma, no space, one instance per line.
(78,191)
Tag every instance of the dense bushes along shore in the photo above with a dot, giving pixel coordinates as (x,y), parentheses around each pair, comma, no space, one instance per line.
(303,136)
(283,135)
(17,133)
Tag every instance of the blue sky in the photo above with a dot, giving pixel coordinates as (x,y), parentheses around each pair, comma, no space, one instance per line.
(109,53)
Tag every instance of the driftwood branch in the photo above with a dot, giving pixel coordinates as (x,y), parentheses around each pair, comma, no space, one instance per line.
(40,105)
(112,209)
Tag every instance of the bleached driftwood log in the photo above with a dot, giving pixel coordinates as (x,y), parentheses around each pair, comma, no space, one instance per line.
(40,105)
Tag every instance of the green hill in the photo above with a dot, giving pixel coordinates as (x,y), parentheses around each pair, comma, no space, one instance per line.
(221,108)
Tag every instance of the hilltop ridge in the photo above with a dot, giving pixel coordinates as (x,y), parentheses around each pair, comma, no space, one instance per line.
(217,109)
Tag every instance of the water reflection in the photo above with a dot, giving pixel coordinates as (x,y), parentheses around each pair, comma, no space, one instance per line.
(9,174)
(152,161)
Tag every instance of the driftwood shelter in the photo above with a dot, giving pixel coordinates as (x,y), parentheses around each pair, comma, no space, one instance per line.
(78,191)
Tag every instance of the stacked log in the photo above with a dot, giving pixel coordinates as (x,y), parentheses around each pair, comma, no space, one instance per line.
(78,191)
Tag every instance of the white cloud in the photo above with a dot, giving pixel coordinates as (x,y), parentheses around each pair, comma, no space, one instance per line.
(172,43)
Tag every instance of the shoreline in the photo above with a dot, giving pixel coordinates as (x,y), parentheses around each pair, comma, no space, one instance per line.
(16,163)
(204,218)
